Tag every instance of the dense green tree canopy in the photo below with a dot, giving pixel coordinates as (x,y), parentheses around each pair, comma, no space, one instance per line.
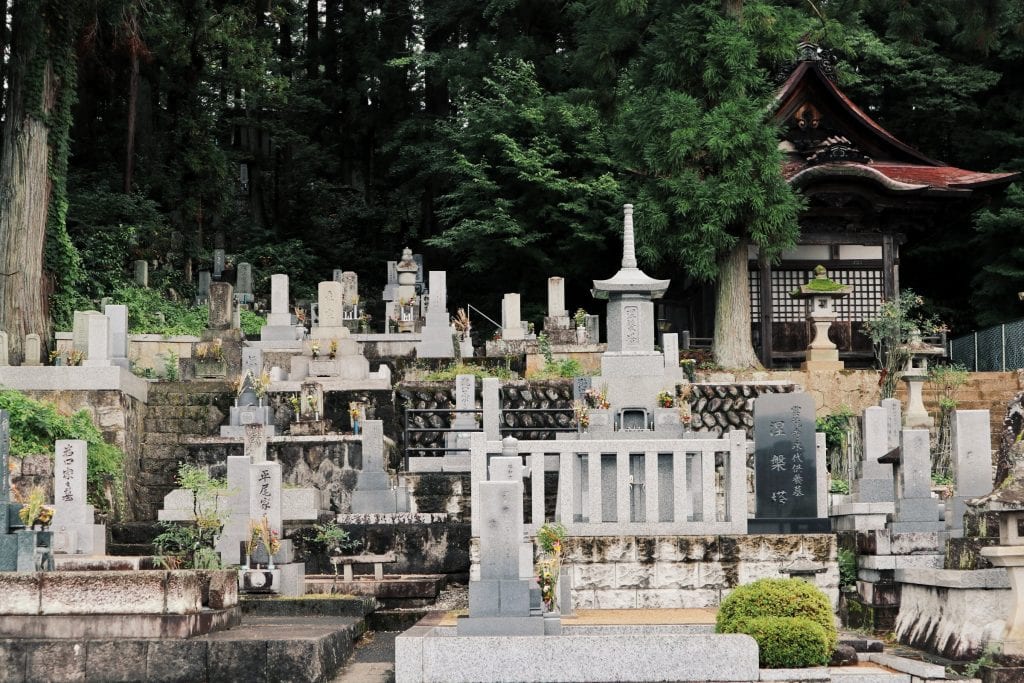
(499,137)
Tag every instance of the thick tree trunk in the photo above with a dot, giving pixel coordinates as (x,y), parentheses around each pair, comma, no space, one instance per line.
(25,191)
(733,347)
(312,38)
(133,107)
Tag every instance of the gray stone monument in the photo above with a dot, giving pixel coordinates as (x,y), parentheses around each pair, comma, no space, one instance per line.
(916,510)
(265,493)
(118,316)
(511,322)
(491,394)
(218,263)
(221,303)
(80,331)
(499,600)
(785,466)
(873,482)
(99,341)
(337,274)
(243,283)
(279,325)
(74,527)
(203,288)
(4,348)
(33,350)
(437,330)
(972,464)
(391,287)
(142,273)
(373,492)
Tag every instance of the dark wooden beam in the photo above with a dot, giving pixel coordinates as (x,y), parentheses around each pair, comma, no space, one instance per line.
(888,267)
(765,275)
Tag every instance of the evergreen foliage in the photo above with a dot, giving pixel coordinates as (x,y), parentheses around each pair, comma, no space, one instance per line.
(36,425)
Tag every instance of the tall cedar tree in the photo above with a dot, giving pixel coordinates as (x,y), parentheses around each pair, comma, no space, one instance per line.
(33,169)
(693,132)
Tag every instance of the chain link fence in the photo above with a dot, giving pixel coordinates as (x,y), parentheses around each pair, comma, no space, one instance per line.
(993,349)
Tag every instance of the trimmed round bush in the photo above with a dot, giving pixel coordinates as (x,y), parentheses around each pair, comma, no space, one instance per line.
(787,642)
(786,598)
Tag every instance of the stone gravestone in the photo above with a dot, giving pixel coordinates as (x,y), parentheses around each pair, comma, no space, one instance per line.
(391,287)
(256,440)
(373,491)
(265,493)
(33,349)
(437,331)
(556,298)
(785,466)
(4,346)
(499,601)
(243,283)
(279,321)
(99,340)
(221,304)
(511,325)
(218,263)
(916,510)
(118,316)
(580,386)
(337,274)
(972,464)
(8,510)
(80,331)
(203,288)
(349,288)
(73,518)
(873,480)
(142,273)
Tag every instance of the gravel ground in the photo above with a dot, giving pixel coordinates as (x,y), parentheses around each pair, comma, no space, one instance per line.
(453,597)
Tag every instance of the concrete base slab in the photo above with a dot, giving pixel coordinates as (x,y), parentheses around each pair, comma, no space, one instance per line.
(426,654)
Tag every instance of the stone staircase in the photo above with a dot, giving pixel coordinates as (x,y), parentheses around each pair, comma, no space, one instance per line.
(984,391)
(175,410)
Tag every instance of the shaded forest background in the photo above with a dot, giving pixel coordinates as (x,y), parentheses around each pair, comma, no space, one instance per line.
(497,137)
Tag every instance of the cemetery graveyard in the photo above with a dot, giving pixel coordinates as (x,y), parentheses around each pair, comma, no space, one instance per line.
(282,495)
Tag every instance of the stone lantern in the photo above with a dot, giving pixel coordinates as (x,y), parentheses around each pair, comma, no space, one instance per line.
(1008,502)
(915,373)
(822,292)
(405,308)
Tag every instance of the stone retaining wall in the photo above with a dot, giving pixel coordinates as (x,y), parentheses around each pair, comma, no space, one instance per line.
(628,572)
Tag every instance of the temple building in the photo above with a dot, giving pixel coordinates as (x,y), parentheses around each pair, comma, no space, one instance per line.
(867,194)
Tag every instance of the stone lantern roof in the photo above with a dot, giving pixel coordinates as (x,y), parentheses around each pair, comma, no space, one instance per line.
(629,279)
(821,285)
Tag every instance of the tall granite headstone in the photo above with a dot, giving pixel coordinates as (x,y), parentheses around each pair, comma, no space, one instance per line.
(99,341)
(916,510)
(33,350)
(74,527)
(243,283)
(221,306)
(972,464)
(142,273)
(279,326)
(219,260)
(785,465)
(203,288)
(373,492)
(437,331)
(118,315)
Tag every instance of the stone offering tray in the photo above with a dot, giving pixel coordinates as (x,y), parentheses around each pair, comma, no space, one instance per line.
(117,604)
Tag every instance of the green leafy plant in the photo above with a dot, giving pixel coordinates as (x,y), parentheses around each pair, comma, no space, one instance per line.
(847,568)
(36,425)
(787,642)
(786,598)
(836,428)
(171,366)
(947,381)
(190,545)
(544,346)
(840,486)
(332,539)
(580,317)
(890,330)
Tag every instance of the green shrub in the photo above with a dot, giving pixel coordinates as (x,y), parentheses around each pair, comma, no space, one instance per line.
(847,568)
(787,642)
(36,425)
(777,598)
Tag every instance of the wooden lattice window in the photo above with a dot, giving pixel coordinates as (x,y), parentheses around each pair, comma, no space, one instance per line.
(860,305)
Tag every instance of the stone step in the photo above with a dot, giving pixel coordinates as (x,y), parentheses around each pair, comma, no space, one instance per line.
(308,606)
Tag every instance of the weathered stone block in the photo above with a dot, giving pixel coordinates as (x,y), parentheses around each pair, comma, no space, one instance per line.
(233,660)
(102,592)
(615,599)
(56,661)
(595,576)
(20,592)
(674,575)
(633,575)
(176,661)
(116,660)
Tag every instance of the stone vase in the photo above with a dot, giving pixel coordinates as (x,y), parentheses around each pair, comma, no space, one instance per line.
(581,335)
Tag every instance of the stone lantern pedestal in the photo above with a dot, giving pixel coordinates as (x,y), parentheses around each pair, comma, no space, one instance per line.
(1008,502)
(915,374)
(822,293)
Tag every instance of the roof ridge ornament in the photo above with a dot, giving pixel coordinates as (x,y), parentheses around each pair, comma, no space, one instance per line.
(807,51)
